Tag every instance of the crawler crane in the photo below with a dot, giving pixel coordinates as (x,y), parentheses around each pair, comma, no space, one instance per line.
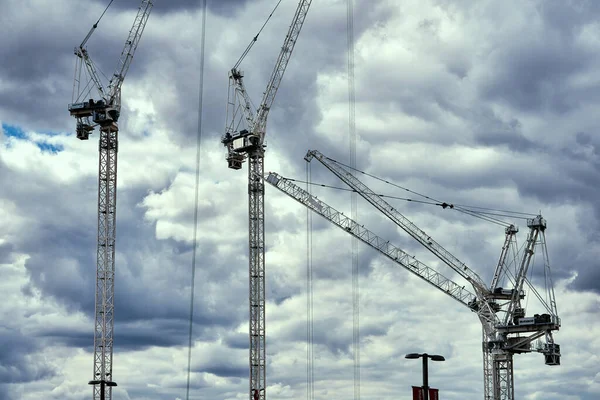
(104,113)
(245,140)
(502,337)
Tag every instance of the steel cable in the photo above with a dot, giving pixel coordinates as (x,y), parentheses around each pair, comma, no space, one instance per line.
(196,198)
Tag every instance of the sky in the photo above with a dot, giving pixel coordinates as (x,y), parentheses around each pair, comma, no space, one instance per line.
(486,104)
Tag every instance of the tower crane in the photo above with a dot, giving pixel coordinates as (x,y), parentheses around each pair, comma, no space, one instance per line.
(502,337)
(244,139)
(104,113)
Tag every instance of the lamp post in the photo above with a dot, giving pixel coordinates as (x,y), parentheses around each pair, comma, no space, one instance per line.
(102,384)
(425,356)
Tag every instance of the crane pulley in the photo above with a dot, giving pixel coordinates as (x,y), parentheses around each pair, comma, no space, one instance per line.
(241,138)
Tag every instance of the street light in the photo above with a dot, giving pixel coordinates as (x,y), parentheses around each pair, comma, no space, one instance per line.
(102,383)
(425,356)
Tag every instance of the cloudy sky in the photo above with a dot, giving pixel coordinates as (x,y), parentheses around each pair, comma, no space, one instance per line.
(487,103)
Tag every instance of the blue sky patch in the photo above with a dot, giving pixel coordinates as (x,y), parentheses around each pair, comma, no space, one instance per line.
(51,148)
(18,133)
(14,131)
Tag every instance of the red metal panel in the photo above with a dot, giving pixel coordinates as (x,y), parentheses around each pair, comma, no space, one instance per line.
(417,393)
(433,394)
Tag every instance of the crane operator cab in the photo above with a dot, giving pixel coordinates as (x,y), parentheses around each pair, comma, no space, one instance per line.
(83,130)
(242,142)
(238,144)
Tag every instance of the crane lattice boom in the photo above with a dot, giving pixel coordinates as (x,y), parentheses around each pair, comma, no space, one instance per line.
(398,219)
(454,290)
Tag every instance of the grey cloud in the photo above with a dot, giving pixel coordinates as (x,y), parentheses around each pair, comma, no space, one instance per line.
(153,275)
(221,7)
(532,78)
(227,371)
(16,362)
(532,73)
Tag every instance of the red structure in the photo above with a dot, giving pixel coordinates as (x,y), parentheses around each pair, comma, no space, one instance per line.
(419,395)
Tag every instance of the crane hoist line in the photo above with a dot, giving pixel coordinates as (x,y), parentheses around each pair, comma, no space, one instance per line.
(244,140)
(514,333)
(103,112)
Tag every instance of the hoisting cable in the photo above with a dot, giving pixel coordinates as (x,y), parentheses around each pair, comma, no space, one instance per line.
(310,357)
(463,209)
(353,196)
(485,218)
(493,209)
(478,214)
(382,180)
(197,190)
(444,205)
(94,26)
(245,53)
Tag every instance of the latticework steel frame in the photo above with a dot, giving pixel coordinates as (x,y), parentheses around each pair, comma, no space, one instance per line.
(256,224)
(105,271)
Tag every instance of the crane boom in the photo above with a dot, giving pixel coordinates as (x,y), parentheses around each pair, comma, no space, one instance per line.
(446,285)
(280,66)
(510,231)
(135,34)
(399,219)
(240,141)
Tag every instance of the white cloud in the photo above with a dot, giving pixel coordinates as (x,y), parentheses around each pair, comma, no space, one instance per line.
(464,102)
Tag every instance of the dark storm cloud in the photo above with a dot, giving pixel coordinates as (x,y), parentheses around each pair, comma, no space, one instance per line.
(16,364)
(494,132)
(36,89)
(227,371)
(6,253)
(531,77)
(236,340)
(532,74)
(220,7)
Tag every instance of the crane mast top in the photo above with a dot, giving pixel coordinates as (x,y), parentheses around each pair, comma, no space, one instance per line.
(105,111)
(241,138)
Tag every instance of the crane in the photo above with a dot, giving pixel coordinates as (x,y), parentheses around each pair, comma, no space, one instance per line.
(104,113)
(502,337)
(244,139)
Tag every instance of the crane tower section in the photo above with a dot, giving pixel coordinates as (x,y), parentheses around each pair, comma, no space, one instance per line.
(104,113)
